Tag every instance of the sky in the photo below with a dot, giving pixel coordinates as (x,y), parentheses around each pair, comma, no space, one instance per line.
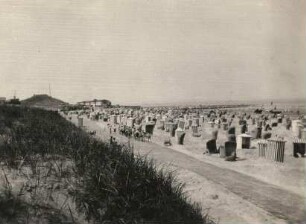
(153,51)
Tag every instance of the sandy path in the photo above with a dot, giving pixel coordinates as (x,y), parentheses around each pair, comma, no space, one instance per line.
(244,199)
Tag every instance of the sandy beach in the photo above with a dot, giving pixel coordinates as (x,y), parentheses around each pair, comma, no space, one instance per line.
(224,204)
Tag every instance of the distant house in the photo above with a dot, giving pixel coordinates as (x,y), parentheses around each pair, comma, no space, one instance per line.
(96,103)
(14,101)
(2,100)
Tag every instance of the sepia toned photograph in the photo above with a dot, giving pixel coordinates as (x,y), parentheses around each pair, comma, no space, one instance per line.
(152,111)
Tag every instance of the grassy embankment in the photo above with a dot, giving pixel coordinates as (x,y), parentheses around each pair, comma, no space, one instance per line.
(54,172)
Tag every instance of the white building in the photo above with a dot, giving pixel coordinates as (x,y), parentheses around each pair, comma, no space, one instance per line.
(96,103)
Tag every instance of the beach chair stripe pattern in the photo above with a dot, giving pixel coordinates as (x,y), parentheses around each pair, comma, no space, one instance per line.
(299,140)
(272,149)
(262,148)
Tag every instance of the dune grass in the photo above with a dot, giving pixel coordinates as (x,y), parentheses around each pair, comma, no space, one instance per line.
(107,182)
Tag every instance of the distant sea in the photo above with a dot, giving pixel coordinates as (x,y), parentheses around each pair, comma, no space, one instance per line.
(287,104)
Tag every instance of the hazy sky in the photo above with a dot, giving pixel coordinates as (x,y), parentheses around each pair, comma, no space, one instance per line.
(153,51)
